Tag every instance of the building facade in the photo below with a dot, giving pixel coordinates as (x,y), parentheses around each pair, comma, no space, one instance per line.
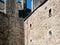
(40,27)
(2,7)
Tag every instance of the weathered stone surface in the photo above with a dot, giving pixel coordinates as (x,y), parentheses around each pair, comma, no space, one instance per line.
(43,26)
(3,29)
(16,31)
(2,7)
(16,26)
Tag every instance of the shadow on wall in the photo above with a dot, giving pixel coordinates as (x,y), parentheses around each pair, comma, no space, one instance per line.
(24,13)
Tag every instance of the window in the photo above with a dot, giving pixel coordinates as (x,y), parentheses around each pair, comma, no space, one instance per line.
(24,13)
(30,25)
(26,8)
(30,40)
(49,12)
(50,32)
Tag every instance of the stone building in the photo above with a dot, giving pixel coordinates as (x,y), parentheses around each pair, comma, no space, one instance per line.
(40,27)
(2,6)
(3,29)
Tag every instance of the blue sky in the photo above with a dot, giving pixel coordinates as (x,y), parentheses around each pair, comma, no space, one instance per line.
(27,1)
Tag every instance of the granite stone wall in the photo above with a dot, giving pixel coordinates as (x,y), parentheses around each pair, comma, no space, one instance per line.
(11,30)
(3,29)
(43,26)
(16,31)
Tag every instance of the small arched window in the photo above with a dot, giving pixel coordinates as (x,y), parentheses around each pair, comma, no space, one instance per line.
(49,12)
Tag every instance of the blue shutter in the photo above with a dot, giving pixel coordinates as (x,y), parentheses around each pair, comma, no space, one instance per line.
(4,0)
(19,0)
(28,3)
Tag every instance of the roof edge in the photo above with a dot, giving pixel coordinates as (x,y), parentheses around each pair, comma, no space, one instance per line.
(34,10)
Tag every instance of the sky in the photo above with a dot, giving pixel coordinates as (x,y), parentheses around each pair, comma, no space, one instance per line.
(28,2)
